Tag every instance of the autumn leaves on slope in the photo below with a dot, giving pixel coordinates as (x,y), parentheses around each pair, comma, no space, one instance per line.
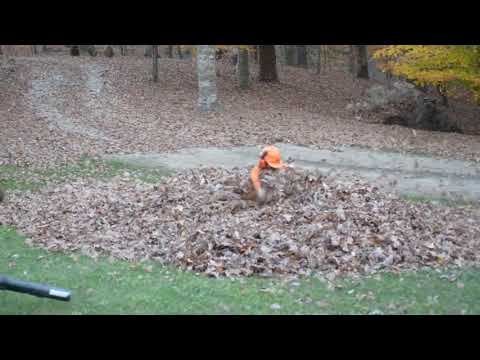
(196,220)
(306,110)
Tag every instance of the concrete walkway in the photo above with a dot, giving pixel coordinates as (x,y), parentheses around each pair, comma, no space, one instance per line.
(407,174)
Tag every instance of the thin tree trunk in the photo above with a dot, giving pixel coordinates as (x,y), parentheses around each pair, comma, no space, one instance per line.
(34,49)
(170,51)
(363,57)
(179,51)
(352,61)
(289,51)
(44,48)
(155,62)
(302,55)
(268,63)
(243,68)
(443,95)
(319,59)
(326,58)
(92,51)
(207,86)
(148,51)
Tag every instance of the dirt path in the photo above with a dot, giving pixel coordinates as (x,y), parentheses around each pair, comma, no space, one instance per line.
(406,174)
(47,103)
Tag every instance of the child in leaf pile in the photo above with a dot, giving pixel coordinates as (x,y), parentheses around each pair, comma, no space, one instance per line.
(270,159)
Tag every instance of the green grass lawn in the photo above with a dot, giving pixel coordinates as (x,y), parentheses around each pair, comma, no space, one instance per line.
(15,178)
(118,287)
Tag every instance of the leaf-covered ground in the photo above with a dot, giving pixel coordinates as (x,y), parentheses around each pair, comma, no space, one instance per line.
(197,220)
(56,109)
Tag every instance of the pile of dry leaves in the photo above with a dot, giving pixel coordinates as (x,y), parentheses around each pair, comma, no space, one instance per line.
(197,220)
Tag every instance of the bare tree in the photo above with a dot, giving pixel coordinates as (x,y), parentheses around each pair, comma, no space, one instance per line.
(148,51)
(243,68)
(108,51)
(319,59)
(155,62)
(302,55)
(257,53)
(92,51)
(289,53)
(268,63)
(207,86)
(359,61)
(74,50)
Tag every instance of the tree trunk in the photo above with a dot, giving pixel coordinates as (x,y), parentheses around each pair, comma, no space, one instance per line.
(123,50)
(302,55)
(92,51)
(34,49)
(83,48)
(207,86)
(363,57)
(359,61)
(289,51)
(268,63)
(44,48)
(319,59)
(179,51)
(170,51)
(443,95)
(155,62)
(234,58)
(74,50)
(243,68)
(353,61)
(148,51)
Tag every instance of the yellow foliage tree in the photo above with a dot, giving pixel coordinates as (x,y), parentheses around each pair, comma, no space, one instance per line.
(443,66)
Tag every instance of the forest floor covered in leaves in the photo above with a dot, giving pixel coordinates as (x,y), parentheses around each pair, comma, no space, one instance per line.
(57,110)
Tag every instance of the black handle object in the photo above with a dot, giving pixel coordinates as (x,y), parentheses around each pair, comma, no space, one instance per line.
(7,283)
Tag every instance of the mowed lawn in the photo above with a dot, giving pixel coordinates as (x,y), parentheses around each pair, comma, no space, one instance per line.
(118,287)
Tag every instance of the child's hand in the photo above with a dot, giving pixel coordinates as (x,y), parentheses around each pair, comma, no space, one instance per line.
(261,196)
